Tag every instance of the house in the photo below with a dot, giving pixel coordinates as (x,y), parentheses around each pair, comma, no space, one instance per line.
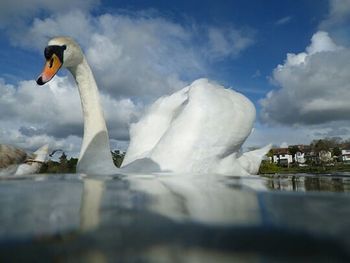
(282,156)
(300,157)
(345,155)
(301,153)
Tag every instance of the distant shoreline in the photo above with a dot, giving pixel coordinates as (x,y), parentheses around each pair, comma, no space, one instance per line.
(270,168)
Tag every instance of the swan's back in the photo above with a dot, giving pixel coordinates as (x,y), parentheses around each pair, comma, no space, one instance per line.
(194,129)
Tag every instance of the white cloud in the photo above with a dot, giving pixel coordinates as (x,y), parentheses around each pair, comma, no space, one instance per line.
(11,133)
(339,12)
(32,115)
(283,21)
(131,57)
(75,23)
(141,56)
(15,11)
(321,42)
(311,99)
(314,86)
(227,42)
(337,21)
(263,135)
(299,134)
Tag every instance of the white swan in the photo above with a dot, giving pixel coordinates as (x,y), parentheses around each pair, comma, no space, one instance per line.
(15,161)
(199,129)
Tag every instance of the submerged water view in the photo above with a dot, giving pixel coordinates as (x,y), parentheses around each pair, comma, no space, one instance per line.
(182,218)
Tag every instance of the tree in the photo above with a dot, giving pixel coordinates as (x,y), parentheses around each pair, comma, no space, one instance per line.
(63,158)
(320,145)
(337,153)
(293,150)
(270,153)
(63,167)
(72,165)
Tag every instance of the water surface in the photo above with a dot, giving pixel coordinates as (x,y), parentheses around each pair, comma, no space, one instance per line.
(182,218)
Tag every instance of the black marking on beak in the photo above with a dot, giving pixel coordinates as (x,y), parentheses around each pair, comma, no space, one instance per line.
(39,81)
(55,49)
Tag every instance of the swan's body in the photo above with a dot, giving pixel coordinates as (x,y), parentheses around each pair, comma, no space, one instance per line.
(199,129)
(15,161)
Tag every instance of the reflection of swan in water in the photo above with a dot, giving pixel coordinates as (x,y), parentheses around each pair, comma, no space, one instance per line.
(15,161)
(206,199)
(90,203)
(199,129)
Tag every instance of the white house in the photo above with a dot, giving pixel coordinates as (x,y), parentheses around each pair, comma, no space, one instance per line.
(300,157)
(345,155)
(282,156)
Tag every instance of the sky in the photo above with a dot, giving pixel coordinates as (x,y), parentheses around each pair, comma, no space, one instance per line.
(290,58)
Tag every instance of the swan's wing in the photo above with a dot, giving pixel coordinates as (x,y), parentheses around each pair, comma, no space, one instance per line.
(10,155)
(212,125)
(146,133)
(251,161)
(203,125)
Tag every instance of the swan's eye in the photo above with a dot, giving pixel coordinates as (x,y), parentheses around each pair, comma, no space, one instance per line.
(54,49)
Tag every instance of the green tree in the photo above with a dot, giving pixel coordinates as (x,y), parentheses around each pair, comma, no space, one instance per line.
(320,145)
(72,165)
(293,150)
(63,163)
(337,153)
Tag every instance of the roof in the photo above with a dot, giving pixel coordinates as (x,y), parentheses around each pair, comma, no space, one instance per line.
(278,151)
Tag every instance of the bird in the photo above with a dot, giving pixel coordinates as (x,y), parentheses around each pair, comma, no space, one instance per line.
(198,129)
(16,161)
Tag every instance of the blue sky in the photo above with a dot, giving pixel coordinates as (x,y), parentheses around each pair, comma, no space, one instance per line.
(157,47)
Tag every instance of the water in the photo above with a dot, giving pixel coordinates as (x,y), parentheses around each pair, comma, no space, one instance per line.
(150,218)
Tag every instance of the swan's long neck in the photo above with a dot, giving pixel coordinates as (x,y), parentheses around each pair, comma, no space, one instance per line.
(95,156)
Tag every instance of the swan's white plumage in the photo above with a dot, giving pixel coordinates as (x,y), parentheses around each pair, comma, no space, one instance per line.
(199,129)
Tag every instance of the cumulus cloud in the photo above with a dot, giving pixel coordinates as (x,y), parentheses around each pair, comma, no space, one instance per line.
(15,11)
(339,12)
(313,86)
(13,136)
(139,55)
(32,115)
(337,21)
(227,42)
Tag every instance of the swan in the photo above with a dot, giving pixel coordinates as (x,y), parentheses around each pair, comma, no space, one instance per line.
(199,129)
(16,161)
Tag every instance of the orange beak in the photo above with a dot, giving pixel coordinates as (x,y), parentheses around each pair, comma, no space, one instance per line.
(51,67)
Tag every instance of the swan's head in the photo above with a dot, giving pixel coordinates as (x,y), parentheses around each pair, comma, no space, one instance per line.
(60,52)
